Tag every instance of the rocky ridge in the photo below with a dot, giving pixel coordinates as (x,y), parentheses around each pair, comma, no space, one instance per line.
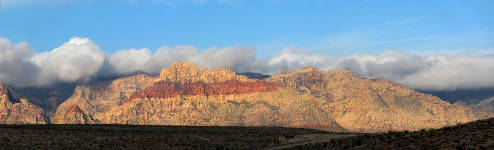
(486,105)
(185,94)
(92,100)
(15,110)
(184,72)
(371,105)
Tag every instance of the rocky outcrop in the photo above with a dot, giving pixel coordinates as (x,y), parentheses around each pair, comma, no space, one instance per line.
(185,94)
(16,110)
(184,72)
(373,104)
(94,99)
(278,108)
(167,89)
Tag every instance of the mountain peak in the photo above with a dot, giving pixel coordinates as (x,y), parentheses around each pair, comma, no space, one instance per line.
(8,93)
(183,65)
(186,72)
(18,110)
(343,72)
(309,69)
(3,89)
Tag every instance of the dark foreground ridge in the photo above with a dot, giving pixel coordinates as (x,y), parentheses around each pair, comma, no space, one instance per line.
(143,137)
(473,135)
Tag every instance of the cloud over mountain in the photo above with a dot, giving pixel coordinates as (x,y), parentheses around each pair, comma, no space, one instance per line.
(82,59)
(433,72)
(128,61)
(15,66)
(77,59)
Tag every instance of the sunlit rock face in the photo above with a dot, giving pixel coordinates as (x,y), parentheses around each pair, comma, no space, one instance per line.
(166,89)
(92,100)
(15,110)
(185,94)
(372,105)
(184,72)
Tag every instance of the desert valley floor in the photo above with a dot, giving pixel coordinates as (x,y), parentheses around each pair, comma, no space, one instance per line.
(474,135)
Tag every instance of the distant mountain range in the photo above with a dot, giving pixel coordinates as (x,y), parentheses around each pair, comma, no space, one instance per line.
(185,94)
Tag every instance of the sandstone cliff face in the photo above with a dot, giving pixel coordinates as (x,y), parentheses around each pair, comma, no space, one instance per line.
(373,104)
(166,89)
(187,95)
(184,72)
(90,101)
(254,109)
(330,100)
(15,110)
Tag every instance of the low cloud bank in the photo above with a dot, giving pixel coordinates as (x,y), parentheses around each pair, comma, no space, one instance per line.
(82,59)
(433,72)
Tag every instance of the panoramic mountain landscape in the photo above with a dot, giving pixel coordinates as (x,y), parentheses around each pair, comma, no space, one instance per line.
(187,95)
(246,74)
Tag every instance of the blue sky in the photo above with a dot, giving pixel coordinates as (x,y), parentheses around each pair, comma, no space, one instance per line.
(336,28)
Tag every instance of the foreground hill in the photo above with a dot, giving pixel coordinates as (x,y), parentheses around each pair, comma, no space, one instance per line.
(145,137)
(15,110)
(474,135)
(185,94)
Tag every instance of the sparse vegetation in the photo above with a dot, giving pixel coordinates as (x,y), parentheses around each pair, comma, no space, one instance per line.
(142,137)
(474,135)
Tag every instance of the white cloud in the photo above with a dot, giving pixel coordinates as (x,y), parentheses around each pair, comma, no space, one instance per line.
(15,67)
(78,59)
(292,58)
(130,61)
(166,56)
(133,60)
(451,72)
(239,58)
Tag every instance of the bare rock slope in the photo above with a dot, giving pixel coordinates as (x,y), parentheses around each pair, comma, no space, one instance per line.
(15,110)
(369,105)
